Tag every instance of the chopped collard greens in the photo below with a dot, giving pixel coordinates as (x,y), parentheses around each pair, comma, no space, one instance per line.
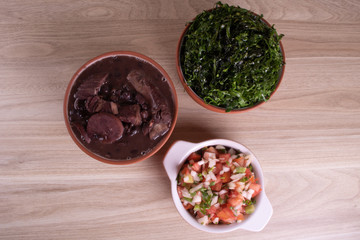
(231,58)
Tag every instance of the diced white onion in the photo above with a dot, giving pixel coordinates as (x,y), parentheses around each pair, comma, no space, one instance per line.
(222,192)
(185,193)
(240,186)
(231,185)
(219,147)
(216,220)
(212,163)
(247,185)
(195,176)
(247,194)
(234,156)
(197,187)
(236,164)
(217,205)
(222,172)
(251,192)
(201,162)
(206,184)
(210,155)
(226,169)
(207,178)
(209,192)
(238,207)
(237,176)
(212,176)
(186,179)
(231,151)
(204,220)
(197,198)
(248,159)
(214,200)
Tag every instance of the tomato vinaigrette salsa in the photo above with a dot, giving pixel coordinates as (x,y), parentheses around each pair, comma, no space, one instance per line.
(217,185)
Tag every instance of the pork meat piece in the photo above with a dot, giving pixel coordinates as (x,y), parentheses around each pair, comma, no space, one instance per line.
(158,130)
(91,86)
(130,114)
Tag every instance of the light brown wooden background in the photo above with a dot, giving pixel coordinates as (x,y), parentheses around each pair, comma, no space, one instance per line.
(307,136)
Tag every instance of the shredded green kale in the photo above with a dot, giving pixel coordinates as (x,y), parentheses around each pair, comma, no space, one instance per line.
(230,58)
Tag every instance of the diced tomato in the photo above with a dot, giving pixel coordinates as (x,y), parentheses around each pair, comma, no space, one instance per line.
(248,172)
(218,168)
(188,178)
(241,161)
(216,187)
(212,218)
(224,157)
(226,215)
(225,178)
(209,155)
(240,217)
(196,167)
(187,206)
(199,214)
(252,179)
(211,210)
(185,170)
(179,191)
(213,150)
(240,210)
(235,199)
(194,156)
(233,194)
(223,196)
(256,187)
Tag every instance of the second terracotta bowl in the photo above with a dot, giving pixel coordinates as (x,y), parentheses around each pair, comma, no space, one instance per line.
(198,99)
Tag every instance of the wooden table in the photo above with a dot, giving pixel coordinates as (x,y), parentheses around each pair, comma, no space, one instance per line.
(307,137)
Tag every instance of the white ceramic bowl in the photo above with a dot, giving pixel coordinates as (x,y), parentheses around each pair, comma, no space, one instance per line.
(173,161)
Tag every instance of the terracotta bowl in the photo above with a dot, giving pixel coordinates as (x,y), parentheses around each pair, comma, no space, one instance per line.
(81,144)
(175,158)
(199,100)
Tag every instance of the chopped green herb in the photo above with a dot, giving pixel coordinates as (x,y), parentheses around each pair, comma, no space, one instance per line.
(247,202)
(222,178)
(221,151)
(244,179)
(197,207)
(230,58)
(250,167)
(240,170)
(212,183)
(187,199)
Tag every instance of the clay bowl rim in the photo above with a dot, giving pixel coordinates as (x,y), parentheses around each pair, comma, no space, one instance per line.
(114,54)
(198,99)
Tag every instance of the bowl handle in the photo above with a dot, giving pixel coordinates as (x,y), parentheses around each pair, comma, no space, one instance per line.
(262,216)
(173,157)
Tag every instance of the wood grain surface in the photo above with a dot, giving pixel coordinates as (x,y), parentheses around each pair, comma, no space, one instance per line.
(307,137)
